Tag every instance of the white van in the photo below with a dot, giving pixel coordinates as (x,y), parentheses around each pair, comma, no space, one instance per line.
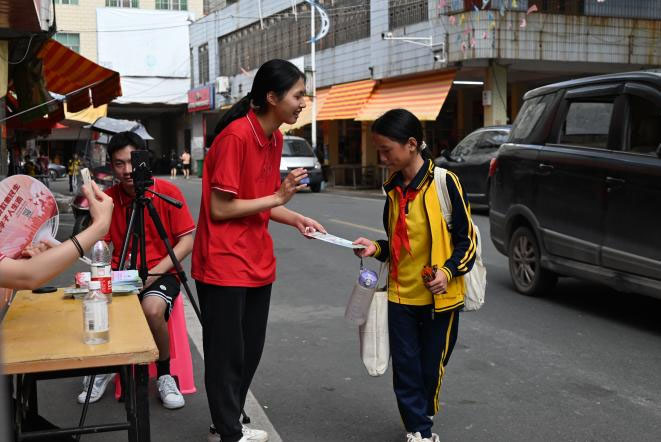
(297,152)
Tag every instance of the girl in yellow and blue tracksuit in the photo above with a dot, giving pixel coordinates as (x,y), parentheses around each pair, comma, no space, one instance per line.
(422,317)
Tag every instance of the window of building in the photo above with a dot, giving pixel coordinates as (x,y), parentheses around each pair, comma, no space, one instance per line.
(407,12)
(286,38)
(203,63)
(587,124)
(123,3)
(66,2)
(70,40)
(175,5)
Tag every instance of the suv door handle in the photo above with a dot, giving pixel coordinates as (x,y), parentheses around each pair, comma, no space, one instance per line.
(615,182)
(547,168)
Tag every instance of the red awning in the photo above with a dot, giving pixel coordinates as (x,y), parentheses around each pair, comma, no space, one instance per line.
(66,71)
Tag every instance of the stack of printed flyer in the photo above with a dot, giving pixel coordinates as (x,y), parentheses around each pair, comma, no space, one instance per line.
(126,281)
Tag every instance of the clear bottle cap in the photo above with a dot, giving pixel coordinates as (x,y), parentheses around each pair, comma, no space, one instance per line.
(95,285)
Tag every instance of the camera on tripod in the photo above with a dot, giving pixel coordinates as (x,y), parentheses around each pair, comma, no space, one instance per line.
(141,174)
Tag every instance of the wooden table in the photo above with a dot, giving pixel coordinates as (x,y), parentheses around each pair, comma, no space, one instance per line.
(43,339)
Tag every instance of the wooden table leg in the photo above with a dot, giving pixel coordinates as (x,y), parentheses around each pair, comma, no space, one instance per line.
(142,402)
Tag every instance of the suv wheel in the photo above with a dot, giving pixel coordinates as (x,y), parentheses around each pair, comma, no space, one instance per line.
(526,270)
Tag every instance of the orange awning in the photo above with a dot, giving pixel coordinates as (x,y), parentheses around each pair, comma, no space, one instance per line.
(344,101)
(66,71)
(422,95)
(305,117)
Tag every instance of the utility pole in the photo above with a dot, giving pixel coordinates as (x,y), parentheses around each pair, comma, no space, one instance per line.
(313,43)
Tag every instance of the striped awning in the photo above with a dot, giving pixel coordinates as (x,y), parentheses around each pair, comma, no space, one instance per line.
(83,82)
(305,117)
(344,101)
(422,95)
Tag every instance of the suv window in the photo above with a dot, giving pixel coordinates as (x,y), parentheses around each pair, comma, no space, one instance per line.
(587,124)
(527,118)
(645,126)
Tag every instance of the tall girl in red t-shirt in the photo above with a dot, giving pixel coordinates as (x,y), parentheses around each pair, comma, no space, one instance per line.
(233,261)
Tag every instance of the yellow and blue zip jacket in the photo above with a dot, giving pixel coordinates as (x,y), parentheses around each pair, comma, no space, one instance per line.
(431,241)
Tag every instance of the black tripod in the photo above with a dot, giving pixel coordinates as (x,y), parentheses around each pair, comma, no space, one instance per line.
(135,234)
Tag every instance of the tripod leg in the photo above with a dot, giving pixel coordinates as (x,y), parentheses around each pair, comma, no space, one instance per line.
(129,233)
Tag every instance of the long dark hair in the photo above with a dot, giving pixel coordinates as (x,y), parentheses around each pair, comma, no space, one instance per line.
(399,125)
(277,76)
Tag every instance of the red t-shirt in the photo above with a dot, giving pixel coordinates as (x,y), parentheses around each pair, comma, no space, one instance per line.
(238,252)
(177,222)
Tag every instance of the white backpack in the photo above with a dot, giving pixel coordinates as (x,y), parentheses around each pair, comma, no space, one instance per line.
(476,278)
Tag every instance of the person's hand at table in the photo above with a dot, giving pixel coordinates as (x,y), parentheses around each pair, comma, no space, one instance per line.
(369,250)
(35,249)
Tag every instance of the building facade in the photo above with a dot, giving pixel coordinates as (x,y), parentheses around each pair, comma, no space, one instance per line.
(146,41)
(459,64)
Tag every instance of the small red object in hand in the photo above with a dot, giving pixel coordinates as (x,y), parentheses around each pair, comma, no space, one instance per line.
(429,273)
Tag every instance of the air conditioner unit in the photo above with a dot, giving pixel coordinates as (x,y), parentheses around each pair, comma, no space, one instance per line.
(222,85)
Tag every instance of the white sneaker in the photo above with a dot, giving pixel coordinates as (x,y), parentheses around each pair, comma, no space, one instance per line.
(417,437)
(254,435)
(101,381)
(170,395)
(249,435)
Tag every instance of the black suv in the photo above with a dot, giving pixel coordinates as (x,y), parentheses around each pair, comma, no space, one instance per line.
(576,190)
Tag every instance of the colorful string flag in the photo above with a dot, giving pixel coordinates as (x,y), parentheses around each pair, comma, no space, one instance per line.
(523,23)
(473,42)
(502,8)
(484,35)
(463,47)
(515,4)
(485,3)
(442,4)
(462,19)
(532,9)
(476,8)
(453,20)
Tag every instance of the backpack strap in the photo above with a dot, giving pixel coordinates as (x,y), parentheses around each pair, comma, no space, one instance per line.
(440,177)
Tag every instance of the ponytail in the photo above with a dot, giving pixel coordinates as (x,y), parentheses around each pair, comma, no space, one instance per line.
(425,152)
(277,76)
(238,110)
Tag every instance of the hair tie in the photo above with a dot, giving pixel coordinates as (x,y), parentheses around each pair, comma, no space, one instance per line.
(423,146)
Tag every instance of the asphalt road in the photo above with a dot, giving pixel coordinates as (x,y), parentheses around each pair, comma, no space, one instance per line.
(579,365)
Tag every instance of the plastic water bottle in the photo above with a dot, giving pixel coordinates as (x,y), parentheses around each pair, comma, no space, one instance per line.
(100,270)
(361,296)
(96,329)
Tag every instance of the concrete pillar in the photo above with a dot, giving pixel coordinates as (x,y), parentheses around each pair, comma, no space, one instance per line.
(461,121)
(516,97)
(495,83)
(367,150)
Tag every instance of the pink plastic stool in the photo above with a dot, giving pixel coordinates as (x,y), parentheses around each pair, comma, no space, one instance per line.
(181,363)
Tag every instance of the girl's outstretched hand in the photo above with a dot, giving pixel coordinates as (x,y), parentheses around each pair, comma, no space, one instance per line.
(369,250)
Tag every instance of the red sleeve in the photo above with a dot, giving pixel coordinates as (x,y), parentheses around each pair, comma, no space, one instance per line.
(228,162)
(2,256)
(181,221)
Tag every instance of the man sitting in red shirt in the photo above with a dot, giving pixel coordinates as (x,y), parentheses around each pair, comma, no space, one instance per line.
(162,286)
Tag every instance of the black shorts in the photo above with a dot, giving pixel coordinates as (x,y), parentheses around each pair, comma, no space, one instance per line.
(186,166)
(167,288)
